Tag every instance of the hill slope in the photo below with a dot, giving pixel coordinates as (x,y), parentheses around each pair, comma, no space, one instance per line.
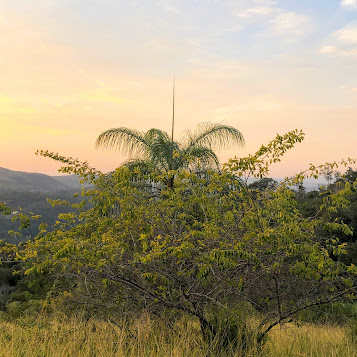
(71,181)
(28,181)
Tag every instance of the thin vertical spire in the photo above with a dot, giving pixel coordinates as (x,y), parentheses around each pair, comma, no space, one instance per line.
(171,179)
(173,109)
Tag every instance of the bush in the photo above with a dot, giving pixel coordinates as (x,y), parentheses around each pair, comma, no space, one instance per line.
(337,313)
(17,309)
(352,332)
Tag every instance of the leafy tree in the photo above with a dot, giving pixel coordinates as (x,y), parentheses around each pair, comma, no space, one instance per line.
(155,150)
(351,175)
(209,248)
(263,184)
(310,203)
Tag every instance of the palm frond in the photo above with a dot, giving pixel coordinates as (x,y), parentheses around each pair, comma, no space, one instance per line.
(156,150)
(124,140)
(144,166)
(203,156)
(214,136)
(161,149)
(156,134)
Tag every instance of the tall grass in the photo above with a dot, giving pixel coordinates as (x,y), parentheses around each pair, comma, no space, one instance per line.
(44,337)
(311,341)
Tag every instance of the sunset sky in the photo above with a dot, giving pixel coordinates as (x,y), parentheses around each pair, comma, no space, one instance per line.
(70,69)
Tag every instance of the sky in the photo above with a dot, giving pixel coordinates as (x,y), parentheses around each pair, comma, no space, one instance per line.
(71,69)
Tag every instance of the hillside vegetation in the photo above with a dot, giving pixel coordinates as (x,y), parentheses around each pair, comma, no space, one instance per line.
(28,193)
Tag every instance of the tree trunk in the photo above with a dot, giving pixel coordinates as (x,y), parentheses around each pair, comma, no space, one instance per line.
(208,330)
(170,182)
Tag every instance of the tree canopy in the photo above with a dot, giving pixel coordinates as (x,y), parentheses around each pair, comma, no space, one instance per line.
(209,248)
(156,150)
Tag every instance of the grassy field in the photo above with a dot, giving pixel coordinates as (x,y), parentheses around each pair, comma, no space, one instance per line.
(42,337)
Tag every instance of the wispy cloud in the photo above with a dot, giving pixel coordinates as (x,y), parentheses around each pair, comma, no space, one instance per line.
(169,6)
(327,49)
(278,20)
(290,22)
(347,35)
(342,42)
(349,4)
(261,10)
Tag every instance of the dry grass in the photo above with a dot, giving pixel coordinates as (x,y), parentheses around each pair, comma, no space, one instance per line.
(310,341)
(42,337)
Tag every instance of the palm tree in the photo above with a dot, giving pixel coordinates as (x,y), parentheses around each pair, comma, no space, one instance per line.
(156,150)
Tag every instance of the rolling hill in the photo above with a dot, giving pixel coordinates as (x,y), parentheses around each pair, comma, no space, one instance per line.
(28,181)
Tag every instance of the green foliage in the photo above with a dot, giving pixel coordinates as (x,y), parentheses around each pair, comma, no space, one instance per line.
(342,220)
(155,150)
(258,164)
(352,333)
(263,184)
(231,331)
(35,210)
(209,241)
(17,309)
(340,313)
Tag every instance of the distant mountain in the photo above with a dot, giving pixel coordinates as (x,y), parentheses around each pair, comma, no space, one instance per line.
(70,180)
(310,184)
(28,181)
(30,192)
